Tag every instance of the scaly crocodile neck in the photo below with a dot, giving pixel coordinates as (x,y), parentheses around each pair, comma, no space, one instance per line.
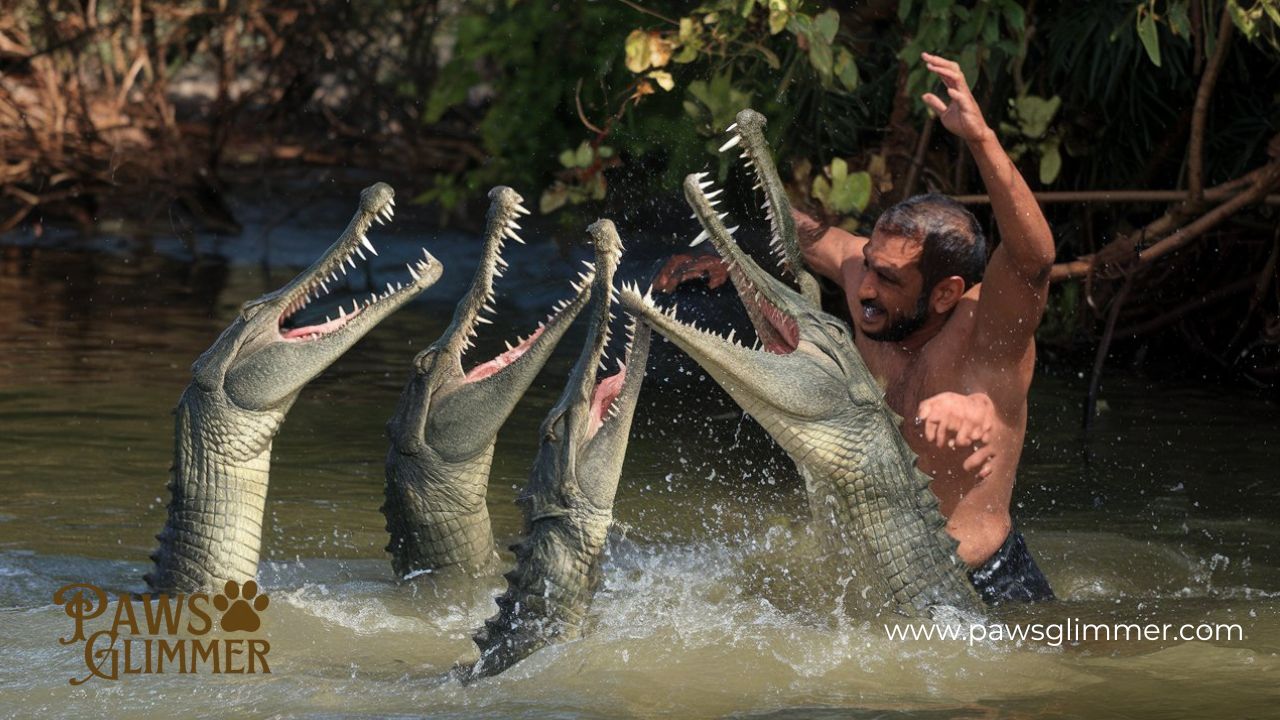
(218,483)
(436,513)
(876,509)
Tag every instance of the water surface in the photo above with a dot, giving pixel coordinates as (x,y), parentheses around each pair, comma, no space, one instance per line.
(1166,513)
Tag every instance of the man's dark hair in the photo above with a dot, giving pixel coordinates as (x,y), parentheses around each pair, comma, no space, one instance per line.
(950,237)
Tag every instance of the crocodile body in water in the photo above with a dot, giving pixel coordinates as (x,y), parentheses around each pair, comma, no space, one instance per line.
(568,502)
(810,389)
(242,388)
(443,432)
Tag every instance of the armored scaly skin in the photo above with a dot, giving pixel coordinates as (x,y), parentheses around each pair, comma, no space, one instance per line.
(447,421)
(437,515)
(242,388)
(810,389)
(568,503)
(218,482)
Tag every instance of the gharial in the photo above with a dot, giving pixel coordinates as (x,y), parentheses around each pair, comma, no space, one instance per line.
(568,502)
(809,388)
(242,388)
(443,432)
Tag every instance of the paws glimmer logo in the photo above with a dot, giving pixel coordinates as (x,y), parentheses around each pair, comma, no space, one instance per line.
(156,634)
(240,611)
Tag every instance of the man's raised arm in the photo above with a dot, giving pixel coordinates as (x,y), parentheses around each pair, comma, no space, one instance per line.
(825,250)
(1016,284)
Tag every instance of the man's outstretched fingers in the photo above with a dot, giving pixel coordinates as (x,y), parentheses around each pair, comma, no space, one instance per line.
(980,459)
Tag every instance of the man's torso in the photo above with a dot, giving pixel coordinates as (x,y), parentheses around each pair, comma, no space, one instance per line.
(977,509)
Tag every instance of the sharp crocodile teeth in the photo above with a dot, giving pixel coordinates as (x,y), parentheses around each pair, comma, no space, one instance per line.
(733,229)
(365,241)
(701,236)
(489,307)
(705,185)
(353,262)
(391,202)
(355,306)
(699,176)
(732,142)
(732,332)
(508,344)
(483,319)
(520,209)
(342,312)
(360,252)
(378,218)
(713,193)
(512,234)
(413,272)
(389,289)
(732,127)
(324,285)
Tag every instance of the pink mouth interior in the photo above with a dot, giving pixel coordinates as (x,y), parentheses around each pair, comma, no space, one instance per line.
(496,365)
(607,390)
(786,336)
(299,333)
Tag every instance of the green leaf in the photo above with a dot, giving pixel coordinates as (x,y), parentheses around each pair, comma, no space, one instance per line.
(846,70)
(1149,36)
(842,193)
(553,198)
(1035,113)
(827,24)
(1242,20)
(1015,16)
(1050,161)
(821,189)
(585,155)
(567,159)
(637,48)
(969,64)
(663,78)
(1179,23)
(820,57)
(778,16)
(839,170)
(904,9)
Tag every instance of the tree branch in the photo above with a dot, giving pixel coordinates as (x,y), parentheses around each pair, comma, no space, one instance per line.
(1199,116)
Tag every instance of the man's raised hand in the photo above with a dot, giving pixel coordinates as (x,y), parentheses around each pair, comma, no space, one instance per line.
(962,116)
(684,267)
(961,421)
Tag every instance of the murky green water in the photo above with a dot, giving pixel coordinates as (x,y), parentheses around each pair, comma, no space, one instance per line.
(1167,514)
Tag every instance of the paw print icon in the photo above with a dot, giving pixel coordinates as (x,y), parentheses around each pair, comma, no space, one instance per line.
(240,606)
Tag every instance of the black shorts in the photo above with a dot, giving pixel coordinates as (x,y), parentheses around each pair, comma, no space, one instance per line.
(1011,575)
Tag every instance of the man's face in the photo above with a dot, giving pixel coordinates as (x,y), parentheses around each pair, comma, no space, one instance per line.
(891,297)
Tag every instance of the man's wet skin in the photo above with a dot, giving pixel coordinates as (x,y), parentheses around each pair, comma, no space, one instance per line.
(956,358)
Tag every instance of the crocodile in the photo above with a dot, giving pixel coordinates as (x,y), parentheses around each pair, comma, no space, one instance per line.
(568,501)
(242,387)
(444,428)
(806,384)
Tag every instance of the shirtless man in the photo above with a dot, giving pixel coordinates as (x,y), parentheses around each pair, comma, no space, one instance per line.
(950,335)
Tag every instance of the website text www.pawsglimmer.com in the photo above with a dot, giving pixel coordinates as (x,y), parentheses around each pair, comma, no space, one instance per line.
(1068,631)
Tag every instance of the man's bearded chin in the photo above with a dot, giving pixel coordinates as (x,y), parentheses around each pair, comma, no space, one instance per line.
(901,327)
